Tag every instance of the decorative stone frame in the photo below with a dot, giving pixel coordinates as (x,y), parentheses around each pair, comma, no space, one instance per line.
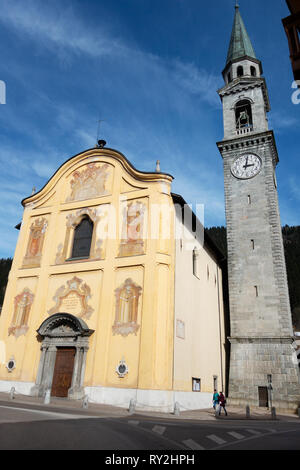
(83,292)
(62,330)
(64,251)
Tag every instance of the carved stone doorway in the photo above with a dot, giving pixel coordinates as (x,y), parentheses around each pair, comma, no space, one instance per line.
(64,348)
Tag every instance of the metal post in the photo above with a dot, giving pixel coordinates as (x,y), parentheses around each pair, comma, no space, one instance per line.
(247,411)
(47,397)
(12,393)
(131,406)
(176,409)
(85,402)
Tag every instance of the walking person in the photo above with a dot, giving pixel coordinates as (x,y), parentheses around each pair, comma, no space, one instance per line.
(215,399)
(222,403)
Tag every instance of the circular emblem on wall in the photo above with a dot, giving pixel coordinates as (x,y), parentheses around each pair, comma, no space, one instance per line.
(122,369)
(246,166)
(11,364)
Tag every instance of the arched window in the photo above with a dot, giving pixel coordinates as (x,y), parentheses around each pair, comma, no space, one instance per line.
(243,115)
(240,71)
(253,71)
(82,238)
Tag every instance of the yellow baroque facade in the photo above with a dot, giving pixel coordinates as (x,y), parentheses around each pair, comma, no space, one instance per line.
(111,295)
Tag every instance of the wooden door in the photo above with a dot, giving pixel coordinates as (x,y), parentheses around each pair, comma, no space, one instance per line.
(263,397)
(63,372)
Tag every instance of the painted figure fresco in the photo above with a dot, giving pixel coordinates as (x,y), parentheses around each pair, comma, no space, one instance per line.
(22,305)
(35,243)
(132,242)
(127,302)
(89,182)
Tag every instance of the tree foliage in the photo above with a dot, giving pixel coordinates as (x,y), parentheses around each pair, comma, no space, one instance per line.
(5,265)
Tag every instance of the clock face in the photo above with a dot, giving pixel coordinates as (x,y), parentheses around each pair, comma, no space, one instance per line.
(247,166)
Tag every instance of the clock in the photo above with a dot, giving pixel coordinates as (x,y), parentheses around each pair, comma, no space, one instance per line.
(246,166)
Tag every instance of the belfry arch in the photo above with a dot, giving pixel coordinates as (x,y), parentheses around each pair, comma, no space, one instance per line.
(62,334)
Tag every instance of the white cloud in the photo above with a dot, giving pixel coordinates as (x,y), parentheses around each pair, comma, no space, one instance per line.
(56,26)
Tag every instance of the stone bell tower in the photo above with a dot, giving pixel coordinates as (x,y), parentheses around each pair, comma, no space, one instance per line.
(261,335)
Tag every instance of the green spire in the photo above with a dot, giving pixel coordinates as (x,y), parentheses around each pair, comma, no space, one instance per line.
(240,44)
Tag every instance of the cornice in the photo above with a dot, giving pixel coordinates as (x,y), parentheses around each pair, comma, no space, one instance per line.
(248,141)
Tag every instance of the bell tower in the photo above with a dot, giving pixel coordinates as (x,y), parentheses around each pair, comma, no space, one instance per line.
(263,363)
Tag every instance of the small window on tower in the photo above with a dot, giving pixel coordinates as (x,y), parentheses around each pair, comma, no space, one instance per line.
(253,71)
(240,71)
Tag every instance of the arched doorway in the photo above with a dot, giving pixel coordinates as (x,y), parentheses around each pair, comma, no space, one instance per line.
(64,339)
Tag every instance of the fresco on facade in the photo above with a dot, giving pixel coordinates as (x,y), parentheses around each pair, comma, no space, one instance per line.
(89,183)
(22,306)
(127,302)
(33,254)
(133,222)
(73,299)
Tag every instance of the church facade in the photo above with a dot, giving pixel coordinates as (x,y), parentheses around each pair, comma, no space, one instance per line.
(112,294)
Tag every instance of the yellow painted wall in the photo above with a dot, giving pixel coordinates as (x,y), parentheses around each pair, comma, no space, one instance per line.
(199,315)
(149,352)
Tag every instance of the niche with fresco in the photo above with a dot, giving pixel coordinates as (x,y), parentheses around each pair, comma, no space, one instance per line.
(35,244)
(127,303)
(22,306)
(133,229)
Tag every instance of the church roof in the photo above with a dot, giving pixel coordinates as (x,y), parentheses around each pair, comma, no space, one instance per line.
(240,43)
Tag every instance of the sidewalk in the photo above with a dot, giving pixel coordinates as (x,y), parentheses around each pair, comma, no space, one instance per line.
(108,411)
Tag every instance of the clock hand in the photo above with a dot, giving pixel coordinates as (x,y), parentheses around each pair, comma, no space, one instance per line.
(246,164)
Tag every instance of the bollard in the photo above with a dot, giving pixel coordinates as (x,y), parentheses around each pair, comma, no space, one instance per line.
(273,412)
(85,402)
(47,397)
(12,393)
(299,412)
(247,411)
(176,409)
(131,406)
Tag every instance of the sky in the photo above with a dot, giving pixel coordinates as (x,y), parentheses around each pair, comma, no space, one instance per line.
(150,70)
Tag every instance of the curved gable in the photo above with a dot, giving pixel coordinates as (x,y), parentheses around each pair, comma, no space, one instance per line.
(90,174)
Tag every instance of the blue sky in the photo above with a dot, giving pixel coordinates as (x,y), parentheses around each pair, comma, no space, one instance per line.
(150,69)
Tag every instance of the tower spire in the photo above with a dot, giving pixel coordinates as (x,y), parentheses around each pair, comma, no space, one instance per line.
(240,44)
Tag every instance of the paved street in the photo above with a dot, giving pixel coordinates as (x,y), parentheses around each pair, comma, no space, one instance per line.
(28,425)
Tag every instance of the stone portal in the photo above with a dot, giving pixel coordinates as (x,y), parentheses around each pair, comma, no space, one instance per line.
(64,339)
